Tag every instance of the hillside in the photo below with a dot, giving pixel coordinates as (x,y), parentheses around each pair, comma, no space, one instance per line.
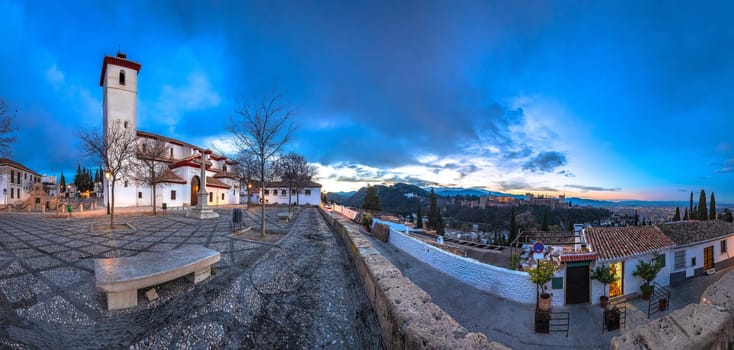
(398,199)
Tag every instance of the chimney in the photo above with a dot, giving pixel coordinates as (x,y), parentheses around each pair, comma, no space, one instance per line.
(121,55)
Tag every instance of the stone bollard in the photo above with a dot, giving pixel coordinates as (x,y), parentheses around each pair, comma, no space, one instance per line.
(81,207)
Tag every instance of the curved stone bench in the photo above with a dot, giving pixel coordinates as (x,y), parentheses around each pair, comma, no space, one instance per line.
(121,278)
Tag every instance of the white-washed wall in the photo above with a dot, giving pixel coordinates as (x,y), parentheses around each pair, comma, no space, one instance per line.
(351,214)
(509,284)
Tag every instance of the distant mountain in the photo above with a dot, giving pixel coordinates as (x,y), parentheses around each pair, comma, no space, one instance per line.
(339,197)
(398,198)
(397,194)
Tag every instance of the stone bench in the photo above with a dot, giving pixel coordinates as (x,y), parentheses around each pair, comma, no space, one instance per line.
(284,217)
(121,278)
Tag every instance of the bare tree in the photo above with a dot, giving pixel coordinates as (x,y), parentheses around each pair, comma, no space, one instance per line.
(304,174)
(152,165)
(295,170)
(115,150)
(286,168)
(247,169)
(261,128)
(6,128)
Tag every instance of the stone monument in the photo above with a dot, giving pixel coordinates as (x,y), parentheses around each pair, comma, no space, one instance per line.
(201,210)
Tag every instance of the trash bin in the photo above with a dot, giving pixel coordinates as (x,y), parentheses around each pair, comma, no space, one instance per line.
(164,206)
(68,208)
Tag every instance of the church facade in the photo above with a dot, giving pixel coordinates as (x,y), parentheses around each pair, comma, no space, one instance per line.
(181,179)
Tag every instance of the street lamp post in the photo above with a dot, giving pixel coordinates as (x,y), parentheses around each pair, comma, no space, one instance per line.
(107,175)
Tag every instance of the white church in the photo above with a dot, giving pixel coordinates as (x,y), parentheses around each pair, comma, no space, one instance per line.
(119,82)
(182,179)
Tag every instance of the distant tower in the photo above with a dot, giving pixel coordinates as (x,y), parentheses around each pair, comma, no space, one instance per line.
(119,82)
(562,199)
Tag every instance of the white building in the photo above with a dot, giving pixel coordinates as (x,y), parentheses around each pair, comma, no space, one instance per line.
(622,248)
(701,247)
(276,192)
(119,86)
(16,181)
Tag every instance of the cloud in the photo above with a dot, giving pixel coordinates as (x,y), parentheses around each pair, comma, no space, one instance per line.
(55,77)
(566,173)
(194,94)
(727,167)
(594,188)
(545,162)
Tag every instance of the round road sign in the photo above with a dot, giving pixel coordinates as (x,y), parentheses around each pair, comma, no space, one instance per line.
(538,247)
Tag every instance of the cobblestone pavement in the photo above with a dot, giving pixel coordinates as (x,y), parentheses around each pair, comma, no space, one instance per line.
(300,293)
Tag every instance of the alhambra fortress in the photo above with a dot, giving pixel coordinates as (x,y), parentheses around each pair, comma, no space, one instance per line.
(332,276)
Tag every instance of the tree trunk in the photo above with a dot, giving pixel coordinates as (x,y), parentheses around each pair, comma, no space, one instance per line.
(112,204)
(154,200)
(262,205)
(289,198)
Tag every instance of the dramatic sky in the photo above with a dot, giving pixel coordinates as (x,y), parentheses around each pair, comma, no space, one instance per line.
(599,99)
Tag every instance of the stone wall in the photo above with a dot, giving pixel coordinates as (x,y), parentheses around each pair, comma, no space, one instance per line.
(408,319)
(506,283)
(707,325)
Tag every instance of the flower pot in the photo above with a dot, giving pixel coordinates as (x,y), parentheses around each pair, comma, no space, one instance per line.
(663,304)
(544,302)
(646,291)
(603,301)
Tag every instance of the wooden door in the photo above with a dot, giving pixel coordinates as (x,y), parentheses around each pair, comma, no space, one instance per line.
(708,257)
(577,284)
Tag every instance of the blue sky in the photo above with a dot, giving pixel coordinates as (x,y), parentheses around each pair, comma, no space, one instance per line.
(602,99)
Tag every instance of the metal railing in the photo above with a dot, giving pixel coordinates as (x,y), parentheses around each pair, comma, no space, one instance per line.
(659,300)
(613,318)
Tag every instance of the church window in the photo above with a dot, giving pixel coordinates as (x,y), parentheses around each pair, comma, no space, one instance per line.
(222,196)
(140,195)
(307,192)
(125,183)
(125,125)
(173,195)
(211,196)
(171,152)
(266,192)
(12,193)
(224,167)
(12,176)
(122,77)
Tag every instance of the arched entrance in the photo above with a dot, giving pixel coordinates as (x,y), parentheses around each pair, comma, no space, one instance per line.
(194,190)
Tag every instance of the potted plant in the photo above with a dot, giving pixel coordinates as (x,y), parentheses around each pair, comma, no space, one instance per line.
(540,276)
(663,304)
(647,271)
(604,275)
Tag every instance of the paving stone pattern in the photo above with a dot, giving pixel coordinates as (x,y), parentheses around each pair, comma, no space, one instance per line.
(300,293)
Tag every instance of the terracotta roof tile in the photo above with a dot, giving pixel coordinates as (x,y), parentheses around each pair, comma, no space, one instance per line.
(687,232)
(612,243)
(550,238)
(171,177)
(573,257)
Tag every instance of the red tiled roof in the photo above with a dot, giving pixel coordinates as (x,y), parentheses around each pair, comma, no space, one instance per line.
(119,62)
(578,257)
(212,182)
(612,243)
(171,177)
(226,175)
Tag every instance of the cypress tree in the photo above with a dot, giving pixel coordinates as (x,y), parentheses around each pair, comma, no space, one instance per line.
(694,213)
(676,217)
(371,201)
(727,216)
(419,221)
(62,183)
(544,227)
(702,212)
(513,224)
(434,215)
(690,209)
(712,209)
(685,216)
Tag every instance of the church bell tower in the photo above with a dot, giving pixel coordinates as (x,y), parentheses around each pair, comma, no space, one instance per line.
(119,82)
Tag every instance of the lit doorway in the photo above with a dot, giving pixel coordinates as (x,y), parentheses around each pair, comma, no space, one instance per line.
(194,191)
(616,288)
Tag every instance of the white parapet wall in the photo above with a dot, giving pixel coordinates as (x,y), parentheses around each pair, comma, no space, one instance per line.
(506,283)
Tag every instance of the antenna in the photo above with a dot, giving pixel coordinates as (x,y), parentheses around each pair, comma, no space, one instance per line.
(118,48)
